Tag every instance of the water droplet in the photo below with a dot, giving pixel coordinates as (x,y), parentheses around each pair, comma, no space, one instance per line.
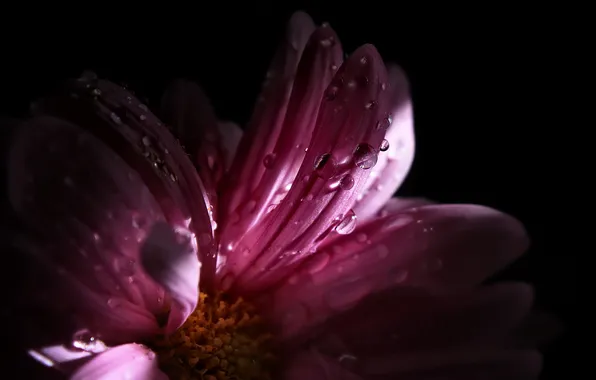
(361,238)
(327,42)
(363,60)
(399,275)
(150,355)
(146,141)
(331,92)
(334,67)
(383,86)
(142,117)
(204,239)
(370,105)
(382,251)
(351,84)
(124,265)
(348,361)
(365,156)
(384,145)
(84,340)
(96,92)
(115,118)
(317,263)
(138,220)
(347,224)
(269,160)
(346,182)
(325,24)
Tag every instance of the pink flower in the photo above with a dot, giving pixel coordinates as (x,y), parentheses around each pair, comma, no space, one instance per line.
(121,230)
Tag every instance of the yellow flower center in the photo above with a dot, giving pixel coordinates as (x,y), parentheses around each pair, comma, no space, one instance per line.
(220,340)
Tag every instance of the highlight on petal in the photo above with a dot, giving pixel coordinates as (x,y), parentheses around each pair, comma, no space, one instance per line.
(129,361)
(318,64)
(85,211)
(330,177)
(265,124)
(397,149)
(170,257)
(437,248)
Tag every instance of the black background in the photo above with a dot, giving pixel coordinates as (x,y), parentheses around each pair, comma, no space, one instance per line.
(478,79)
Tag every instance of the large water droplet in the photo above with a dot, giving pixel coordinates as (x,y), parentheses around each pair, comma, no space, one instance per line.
(347,224)
(346,182)
(124,265)
(384,145)
(269,160)
(365,156)
(370,105)
(84,340)
(325,166)
(331,92)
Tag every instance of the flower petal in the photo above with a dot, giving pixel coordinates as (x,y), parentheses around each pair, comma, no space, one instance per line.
(120,120)
(393,164)
(332,174)
(266,123)
(314,366)
(170,257)
(83,212)
(438,248)
(318,64)
(230,135)
(129,361)
(410,321)
(185,107)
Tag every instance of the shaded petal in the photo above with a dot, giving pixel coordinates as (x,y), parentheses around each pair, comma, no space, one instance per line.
(230,135)
(319,62)
(314,366)
(266,122)
(129,361)
(453,365)
(85,212)
(333,172)
(185,107)
(395,205)
(170,257)
(116,117)
(406,320)
(438,248)
(394,164)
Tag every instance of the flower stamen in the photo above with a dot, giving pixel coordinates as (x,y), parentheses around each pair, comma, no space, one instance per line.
(220,340)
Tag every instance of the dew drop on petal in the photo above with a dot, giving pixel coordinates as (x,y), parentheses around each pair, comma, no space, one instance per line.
(269,160)
(365,156)
(346,182)
(384,145)
(331,92)
(370,105)
(347,224)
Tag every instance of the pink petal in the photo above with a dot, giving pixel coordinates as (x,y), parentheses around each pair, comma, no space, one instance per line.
(142,141)
(188,110)
(85,211)
(266,123)
(330,177)
(170,257)
(318,64)
(129,361)
(230,135)
(438,248)
(411,321)
(394,164)
(394,205)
